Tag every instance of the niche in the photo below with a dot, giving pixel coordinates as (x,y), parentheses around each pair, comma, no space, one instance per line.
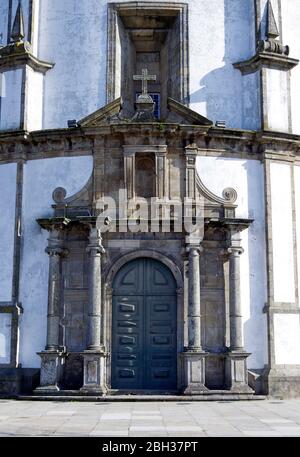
(145,176)
(153,36)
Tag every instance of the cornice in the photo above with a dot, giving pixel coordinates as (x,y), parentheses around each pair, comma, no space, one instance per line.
(21,145)
(16,55)
(266,60)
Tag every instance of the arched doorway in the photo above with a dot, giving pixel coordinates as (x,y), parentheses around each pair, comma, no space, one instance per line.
(144,327)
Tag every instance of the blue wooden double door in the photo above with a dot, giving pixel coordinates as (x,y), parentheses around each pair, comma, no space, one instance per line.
(144,327)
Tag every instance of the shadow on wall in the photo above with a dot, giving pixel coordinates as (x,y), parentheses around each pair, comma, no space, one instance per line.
(246,176)
(221,89)
(255,328)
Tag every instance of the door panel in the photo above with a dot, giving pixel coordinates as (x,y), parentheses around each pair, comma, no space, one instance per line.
(127,344)
(160,336)
(129,280)
(144,354)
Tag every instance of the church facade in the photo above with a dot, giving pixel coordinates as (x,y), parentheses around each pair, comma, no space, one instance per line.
(150,198)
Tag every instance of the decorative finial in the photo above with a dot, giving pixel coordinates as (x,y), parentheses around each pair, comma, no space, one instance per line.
(17,33)
(272,29)
(272,43)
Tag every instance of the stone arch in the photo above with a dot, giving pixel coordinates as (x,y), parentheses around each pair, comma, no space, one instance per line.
(166,260)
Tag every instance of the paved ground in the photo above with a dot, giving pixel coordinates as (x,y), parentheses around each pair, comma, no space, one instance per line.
(244,418)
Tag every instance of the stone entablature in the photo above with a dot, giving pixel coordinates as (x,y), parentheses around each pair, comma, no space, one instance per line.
(23,145)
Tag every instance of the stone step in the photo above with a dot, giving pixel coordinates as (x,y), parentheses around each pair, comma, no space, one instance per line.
(77,396)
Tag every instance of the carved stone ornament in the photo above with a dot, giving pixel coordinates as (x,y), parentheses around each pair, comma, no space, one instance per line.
(230,194)
(235,250)
(56,250)
(59,194)
(272,43)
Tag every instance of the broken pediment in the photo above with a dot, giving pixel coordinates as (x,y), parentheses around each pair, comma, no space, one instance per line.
(107,114)
(111,113)
(181,114)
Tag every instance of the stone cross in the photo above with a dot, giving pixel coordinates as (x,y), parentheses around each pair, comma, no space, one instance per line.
(144,77)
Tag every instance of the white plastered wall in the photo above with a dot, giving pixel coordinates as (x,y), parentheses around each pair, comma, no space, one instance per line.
(277,100)
(3,22)
(282,233)
(11,86)
(7,227)
(286,325)
(290,36)
(246,176)
(287,339)
(5,337)
(34,100)
(297,208)
(41,177)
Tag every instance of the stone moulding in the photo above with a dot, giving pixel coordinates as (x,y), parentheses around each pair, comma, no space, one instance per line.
(187,114)
(19,54)
(266,60)
(22,145)
(229,195)
(102,114)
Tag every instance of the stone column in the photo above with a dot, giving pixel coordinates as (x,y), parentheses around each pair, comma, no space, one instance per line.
(236,368)
(191,152)
(94,355)
(235,313)
(161,172)
(54,287)
(129,172)
(194,356)
(194,310)
(95,251)
(53,357)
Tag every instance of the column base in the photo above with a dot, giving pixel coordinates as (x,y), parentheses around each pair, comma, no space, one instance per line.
(51,371)
(193,365)
(236,376)
(94,373)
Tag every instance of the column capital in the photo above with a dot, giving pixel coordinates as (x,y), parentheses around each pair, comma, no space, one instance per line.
(194,249)
(128,152)
(191,149)
(95,249)
(234,250)
(95,242)
(56,251)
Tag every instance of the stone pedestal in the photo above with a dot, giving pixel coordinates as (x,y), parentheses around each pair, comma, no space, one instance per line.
(51,371)
(194,372)
(236,372)
(94,373)
(144,109)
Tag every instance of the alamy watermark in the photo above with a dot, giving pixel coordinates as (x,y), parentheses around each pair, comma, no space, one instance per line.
(141,215)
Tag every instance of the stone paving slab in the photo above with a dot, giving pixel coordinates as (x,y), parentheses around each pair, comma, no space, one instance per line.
(152,419)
